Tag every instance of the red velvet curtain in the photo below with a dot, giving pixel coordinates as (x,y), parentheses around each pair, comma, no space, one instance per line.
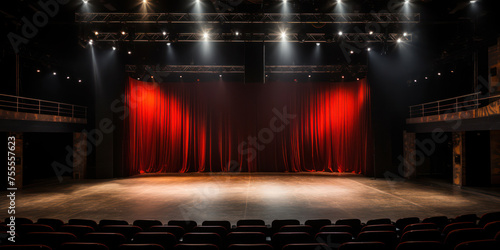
(272,127)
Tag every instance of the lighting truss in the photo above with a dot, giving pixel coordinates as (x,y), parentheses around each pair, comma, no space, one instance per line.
(240,69)
(248,18)
(254,37)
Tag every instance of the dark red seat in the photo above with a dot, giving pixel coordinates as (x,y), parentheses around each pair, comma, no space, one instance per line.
(250,223)
(421,235)
(403,222)
(497,237)
(188,225)
(389,238)
(492,228)
(298,228)
(113,223)
(54,223)
(440,221)
(457,225)
(126,230)
(379,227)
(420,226)
(333,240)
(25,247)
(355,224)
(196,247)
(280,239)
(221,231)
(202,238)
(489,217)
(30,228)
(140,247)
(318,224)
(83,246)
(337,228)
(78,230)
(19,220)
(467,218)
(250,247)
(489,244)
(223,223)
(111,240)
(166,240)
(51,239)
(420,245)
(362,246)
(382,221)
(245,238)
(146,224)
(83,222)
(458,236)
(306,246)
(259,229)
(276,225)
(175,230)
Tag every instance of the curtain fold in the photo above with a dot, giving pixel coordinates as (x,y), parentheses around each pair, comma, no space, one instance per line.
(221,127)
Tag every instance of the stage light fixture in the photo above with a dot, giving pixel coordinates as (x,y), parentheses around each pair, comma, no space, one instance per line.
(114,48)
(352,52)
(164,33)
(220,76)
(473,1)
(237,33)
(85,1)
(91,42)
(96,33)
(123,33)
(284,1)
(415,80)
(340,33)
(54,73)
(407,1)
(138,78)
(283,35)
(309,76)
(371,32)
(168,44)
(37,71)
(343,77)
(369,49)
(79,80)
(405,34)
(205,35)
(426,78)
(452,71)
(67,77)
(144,1)
(318,44)
(439,73)
(180,76)
(129,52)
(267,76)
(399,40)
(357,79)
(152,77)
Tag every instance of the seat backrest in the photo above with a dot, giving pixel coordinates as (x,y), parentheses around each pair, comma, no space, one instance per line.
(420,226)
(220,230)
(458,236)
(306,246)
(379,227)
(223,223)
(111,240)
(467,218)
(245,238)
(333,237)
(419,245)
(202,238)
(29,228)
(113,222)
(83,246)
(280,239)
(337,228)
(298,228)
(489,217)
(250,223)
(497,237)
(78,230)
(146,224)
(188,225)
(421,235)
(51,239)
(184,246)
(127,230)
(440,221)
(389,238)
(318,223)
(175,230)
(140,247)
(457,225)
(382,221)
(276,225)
(354,223)
(166,240)
(362,246)
(489,244)
(54,223)
(83,222)
(260,229)
(25,247)
(403,222)
(492,228)
(250,247)
(19,220)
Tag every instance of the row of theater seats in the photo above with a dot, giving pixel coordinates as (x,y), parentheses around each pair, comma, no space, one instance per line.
(461,233)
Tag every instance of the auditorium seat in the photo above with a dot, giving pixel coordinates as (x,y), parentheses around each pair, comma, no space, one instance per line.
(458,236)
(196,247)
(223,223)
(492,228)
(111,240)
(479,245)
(166,240)
(379,227)
(25,247)
(19,220)
(146,224)
(440,221)
(489,217)
(175,230)
(306,246)
(318,224)
(354,223)
(457,225)
(337,228)
(298,228)
(497,237)
(389,238)
(420,226)
(54,223)
(202,238)
(260,229)
(78,230)
(379,221)
(333,240)
(51,239)
(250,223)
(362,246)
(250,247)
(188,225)
(83,246)
(467,218)
(221,231)
(245,238)
(276,225)
(140,247)
(403,222)
(83,222)
(421,235)
(30,228)
(281,239)
(126,230)
(103,223)
(420,245)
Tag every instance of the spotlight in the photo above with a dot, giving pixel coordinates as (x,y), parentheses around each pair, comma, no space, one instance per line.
(85,1)
(144,1)
(309,76)
(164,33)
(357,79)
(180,76)
(152,77)
(129,52)
(352,52)
(114,48)
(205,35)
(343,77)
(439,73)
(54,73)
(452,71)
(399,40)
(37,71)
(96,33)
(237,33)
(407,1)
(67,77)
(405,34)
(473,1)
(91,42)
(138,78)
(415,80)
(220,76)
(369,49)
(426,78)
(123,33)
(79,80)
(318,44)
(283,35)
(168,44)
(371,32)
(340,33)
(197,1)
(266,76)
(339,1)
(284,1)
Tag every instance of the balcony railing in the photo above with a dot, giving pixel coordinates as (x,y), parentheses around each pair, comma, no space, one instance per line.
(37,106)
(452,105)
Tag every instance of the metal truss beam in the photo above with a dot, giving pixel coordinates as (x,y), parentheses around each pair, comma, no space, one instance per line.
(240,69)
(248,18)
(254,37)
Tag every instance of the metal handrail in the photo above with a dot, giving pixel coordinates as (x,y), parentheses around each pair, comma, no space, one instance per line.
(38,106)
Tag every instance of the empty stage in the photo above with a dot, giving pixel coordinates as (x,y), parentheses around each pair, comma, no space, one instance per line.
(232,197)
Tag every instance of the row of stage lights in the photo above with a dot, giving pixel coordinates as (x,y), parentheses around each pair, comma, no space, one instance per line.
(54,73)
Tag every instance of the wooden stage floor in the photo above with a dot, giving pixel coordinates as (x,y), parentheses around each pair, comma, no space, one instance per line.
(246,196)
